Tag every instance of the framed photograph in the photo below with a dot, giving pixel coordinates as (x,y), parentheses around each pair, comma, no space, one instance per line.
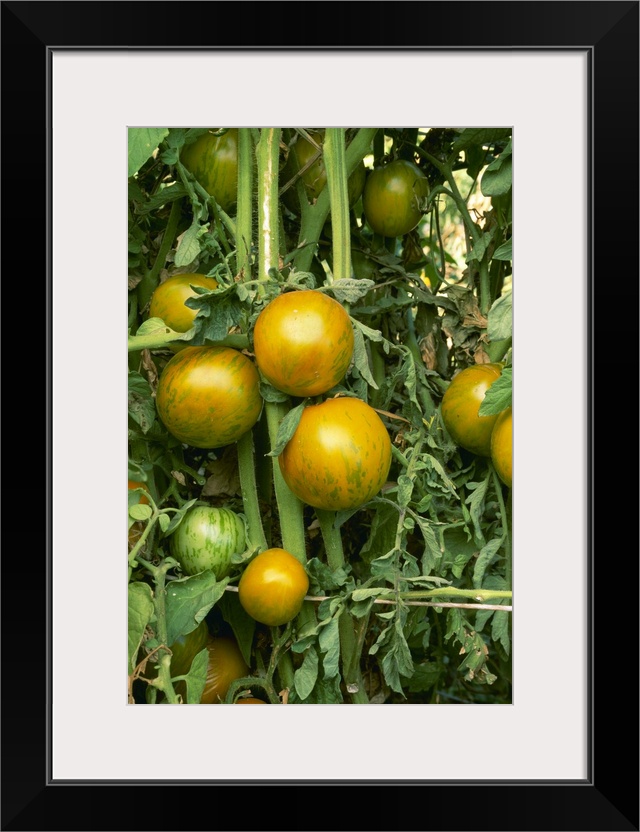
(562,78)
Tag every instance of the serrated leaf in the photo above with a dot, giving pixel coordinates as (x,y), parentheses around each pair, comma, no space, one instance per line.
(305,677)
(476,502)
(425,676)
(140,512)
(140,611)
(329,644)
(143,142)
(485,556)
(361,358)
(286,429)
(499,396)
(480,135)
(142,408)
(500,630)
(504,252)
(196,678)
(189,600)
(405,490)
(480,246)
(217,311)
(497,181)
(189,245)
(500,319)
(350,290)
(371,592)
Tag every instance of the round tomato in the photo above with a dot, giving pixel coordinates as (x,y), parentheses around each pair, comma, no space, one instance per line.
(184,650)
(273,586)
(315,176)
(303,342)
(209,397)
(339,457)
(460,405)
(168,301)
(392,198)
(501,446)
(213,160)
(225,664)
(249,700)
(207,538)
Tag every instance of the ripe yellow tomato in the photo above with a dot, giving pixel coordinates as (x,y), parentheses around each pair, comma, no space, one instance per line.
(460,405)
(273,586)
(209,397)
(501,446)
(167,301)
(340,455)
(303,342)
(225,664)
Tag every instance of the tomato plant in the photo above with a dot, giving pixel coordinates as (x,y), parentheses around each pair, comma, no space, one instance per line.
(273,586)
(213,160)
(501,445)
(392,198)
(460,405)
(225,664)
(314,176)
(183,651)
(209,397)
(303,342)
(168,300)
(339,455)
(206,538)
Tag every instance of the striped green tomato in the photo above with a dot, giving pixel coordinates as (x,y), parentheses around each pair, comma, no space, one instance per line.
(339,457)
(209,397)
(207,538)
(213,160)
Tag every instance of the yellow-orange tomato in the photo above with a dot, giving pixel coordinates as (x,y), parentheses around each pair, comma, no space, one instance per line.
(167,301)
(460,405)
(392,198)
(273,586)
(224,665)
(213,160)
(209,397)
(303,342)
(339,457)
(501,446)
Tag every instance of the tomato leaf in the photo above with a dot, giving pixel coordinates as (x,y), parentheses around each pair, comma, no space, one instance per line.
(476,501)
(189,600)
(305,677)
(361,358)
(196,678)
(140,512)
(498,397)
(142,408)
(143,142)
(500,630)
(396,660)
(218,311)
(241,623)
(350,290)
(271,394)
(286,429)
(500,319)
(189,246)
(496,180)
(329,643)
(479,136)
(140,612)
(504,252)
(425,676)
(484,559)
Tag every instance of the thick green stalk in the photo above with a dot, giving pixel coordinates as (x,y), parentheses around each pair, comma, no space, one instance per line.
(314,219)
(247,471)
(336,166)
(244,215)
(150,280)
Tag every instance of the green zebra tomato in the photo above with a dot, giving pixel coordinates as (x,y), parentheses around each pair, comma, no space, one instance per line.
(303,342)
(213,160)
(207,538)
(209,397)
(392,196)
(340,455)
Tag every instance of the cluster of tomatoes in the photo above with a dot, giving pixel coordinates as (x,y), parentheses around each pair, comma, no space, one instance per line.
(488,436)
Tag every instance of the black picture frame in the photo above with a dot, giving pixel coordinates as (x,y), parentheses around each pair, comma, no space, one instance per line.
(608,799)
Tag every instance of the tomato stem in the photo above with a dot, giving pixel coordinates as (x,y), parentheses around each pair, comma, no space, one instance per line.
(150,280)
(247,471)
(244,216)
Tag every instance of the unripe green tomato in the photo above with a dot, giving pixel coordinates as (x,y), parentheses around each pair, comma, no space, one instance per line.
(207,538)
(501,446)
(460,405)
(392,198)
(213,160)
